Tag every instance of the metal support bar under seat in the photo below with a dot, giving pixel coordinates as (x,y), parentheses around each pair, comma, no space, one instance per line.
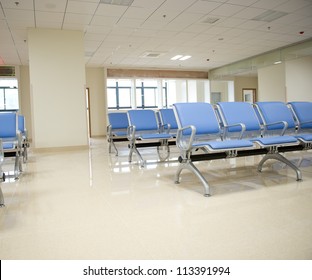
(279,157)
(188,164)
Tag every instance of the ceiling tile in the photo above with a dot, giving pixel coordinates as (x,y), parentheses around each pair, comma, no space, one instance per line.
(110,10)
(50,6)
(203,7)
(104,20)
(119,35)
(227,10)
(81,7)
(22,5)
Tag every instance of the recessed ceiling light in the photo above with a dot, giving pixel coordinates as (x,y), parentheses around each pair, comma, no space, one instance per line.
(185,57)
(180,57)
(176,57)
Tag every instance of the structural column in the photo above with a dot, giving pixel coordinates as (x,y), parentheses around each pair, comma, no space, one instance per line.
(57,88)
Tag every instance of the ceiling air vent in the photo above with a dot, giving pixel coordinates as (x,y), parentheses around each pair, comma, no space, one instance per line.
(117,2)
(7,71)
(269,16)
(152,54)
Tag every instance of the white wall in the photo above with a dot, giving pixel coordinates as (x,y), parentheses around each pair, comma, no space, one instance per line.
(24,97)
(98,111)
(271,83)
(299,79)
(288,81)
(57,88)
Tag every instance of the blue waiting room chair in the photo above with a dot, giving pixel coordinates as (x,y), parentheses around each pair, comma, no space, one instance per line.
(117,129)
(302,112)
(144,131)
(24,137)
(11,139)
(168,121)
(2,174)
(268,134)
(199,130)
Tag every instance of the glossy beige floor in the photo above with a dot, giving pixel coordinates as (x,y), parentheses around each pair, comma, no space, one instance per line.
(89,204)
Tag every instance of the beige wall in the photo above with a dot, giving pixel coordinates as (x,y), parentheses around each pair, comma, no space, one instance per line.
(272,83)
(24,97)
(299,79)
(95,82)
(244,82)
(220,86)
(288,81)
(57,88)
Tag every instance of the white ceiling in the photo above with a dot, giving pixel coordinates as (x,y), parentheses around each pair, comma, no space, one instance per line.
(120,36)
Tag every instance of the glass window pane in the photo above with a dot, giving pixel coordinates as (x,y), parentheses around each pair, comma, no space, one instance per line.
(149,83)
(111,83)
(150,97)
(8,82)
(11,99)
(1,99)
(138,97)
(111,98)
(171,92)
(124,83)
(125,97)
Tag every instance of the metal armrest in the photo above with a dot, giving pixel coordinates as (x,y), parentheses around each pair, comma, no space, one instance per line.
(19,139)
(275,123)
(180,143)
(165,128)
(109,129)
(131,133)
(226,129)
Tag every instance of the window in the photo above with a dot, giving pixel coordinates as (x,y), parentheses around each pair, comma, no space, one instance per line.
(146,94)
(118,94)
(8,94)
(154,93)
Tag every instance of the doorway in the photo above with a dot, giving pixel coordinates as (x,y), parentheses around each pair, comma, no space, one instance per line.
(88,111)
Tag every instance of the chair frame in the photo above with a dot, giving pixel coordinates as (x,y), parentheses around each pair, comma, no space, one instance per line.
(142,134)
(116,130)
(12,144)
(190,140)
(261,133)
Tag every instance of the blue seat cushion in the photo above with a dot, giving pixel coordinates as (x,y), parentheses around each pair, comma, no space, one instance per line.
(155,136)
(226,144)
(8,146)
(304,137)
(275,140)
(119,133)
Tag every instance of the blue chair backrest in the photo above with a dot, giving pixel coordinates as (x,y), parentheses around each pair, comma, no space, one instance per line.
(239,112)
(118,120)
(7,125)
(143,119)
(303,113)
(168,117)
(276,111)
(201,115)
(21,123)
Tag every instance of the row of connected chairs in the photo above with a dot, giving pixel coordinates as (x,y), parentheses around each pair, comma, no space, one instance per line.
(13,143)
(236,129)
(143,128)
(14,139)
